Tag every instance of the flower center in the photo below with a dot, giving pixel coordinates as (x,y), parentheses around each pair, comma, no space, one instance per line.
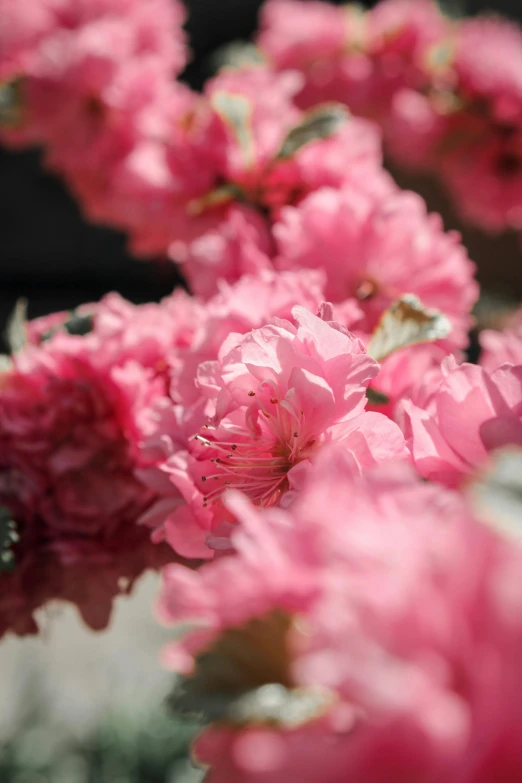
(255,463)
(249,467)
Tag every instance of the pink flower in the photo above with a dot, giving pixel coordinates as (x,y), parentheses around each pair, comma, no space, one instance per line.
(379,640)
(503,347)
(377,249)
(360,59)
(94,86)
(311,38)
(22,25)
(115,333)
(260,153)
(488,61)
(73,61)
(169,424)
(68,451)
(234,241)
(483,172)
(275,397)
(296,35)
(145,334)
(448,446)
(248,304)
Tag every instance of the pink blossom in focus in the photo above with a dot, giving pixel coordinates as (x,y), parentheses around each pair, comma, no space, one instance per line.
(169,424)
(275,397)
(395,602)
(458,415)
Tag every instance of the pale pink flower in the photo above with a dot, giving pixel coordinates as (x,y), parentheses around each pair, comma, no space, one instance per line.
(170,422)
(503,347)
(458,415)
(249,303)
(394,613)
(275,397)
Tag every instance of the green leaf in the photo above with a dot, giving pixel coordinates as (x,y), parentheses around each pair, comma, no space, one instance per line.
(406,322)
(79,324)
(320,123)
(215,198)
(236,112)
(8,537)
(11,103)
(5,363)
(76,324)
(237,54)
(243,677)
(15,333)
(376,397)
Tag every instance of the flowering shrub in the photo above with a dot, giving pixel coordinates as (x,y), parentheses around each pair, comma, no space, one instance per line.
(334,491)
(447,94)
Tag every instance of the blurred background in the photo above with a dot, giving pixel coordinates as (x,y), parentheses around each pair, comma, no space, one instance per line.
(78,707)
(49,254)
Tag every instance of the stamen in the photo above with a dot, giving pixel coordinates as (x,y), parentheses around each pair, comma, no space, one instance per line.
(256,465)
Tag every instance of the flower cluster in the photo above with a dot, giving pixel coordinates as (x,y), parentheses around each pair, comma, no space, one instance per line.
(334,491)
(447,93)
(370,631)
(71,407)
(93,84)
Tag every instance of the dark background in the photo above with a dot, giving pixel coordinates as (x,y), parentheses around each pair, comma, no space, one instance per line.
(50,255)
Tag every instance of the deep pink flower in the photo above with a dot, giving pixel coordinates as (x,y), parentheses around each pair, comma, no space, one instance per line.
(448,446)
(488,61)
(483,172)
(68,454)
(379,640)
